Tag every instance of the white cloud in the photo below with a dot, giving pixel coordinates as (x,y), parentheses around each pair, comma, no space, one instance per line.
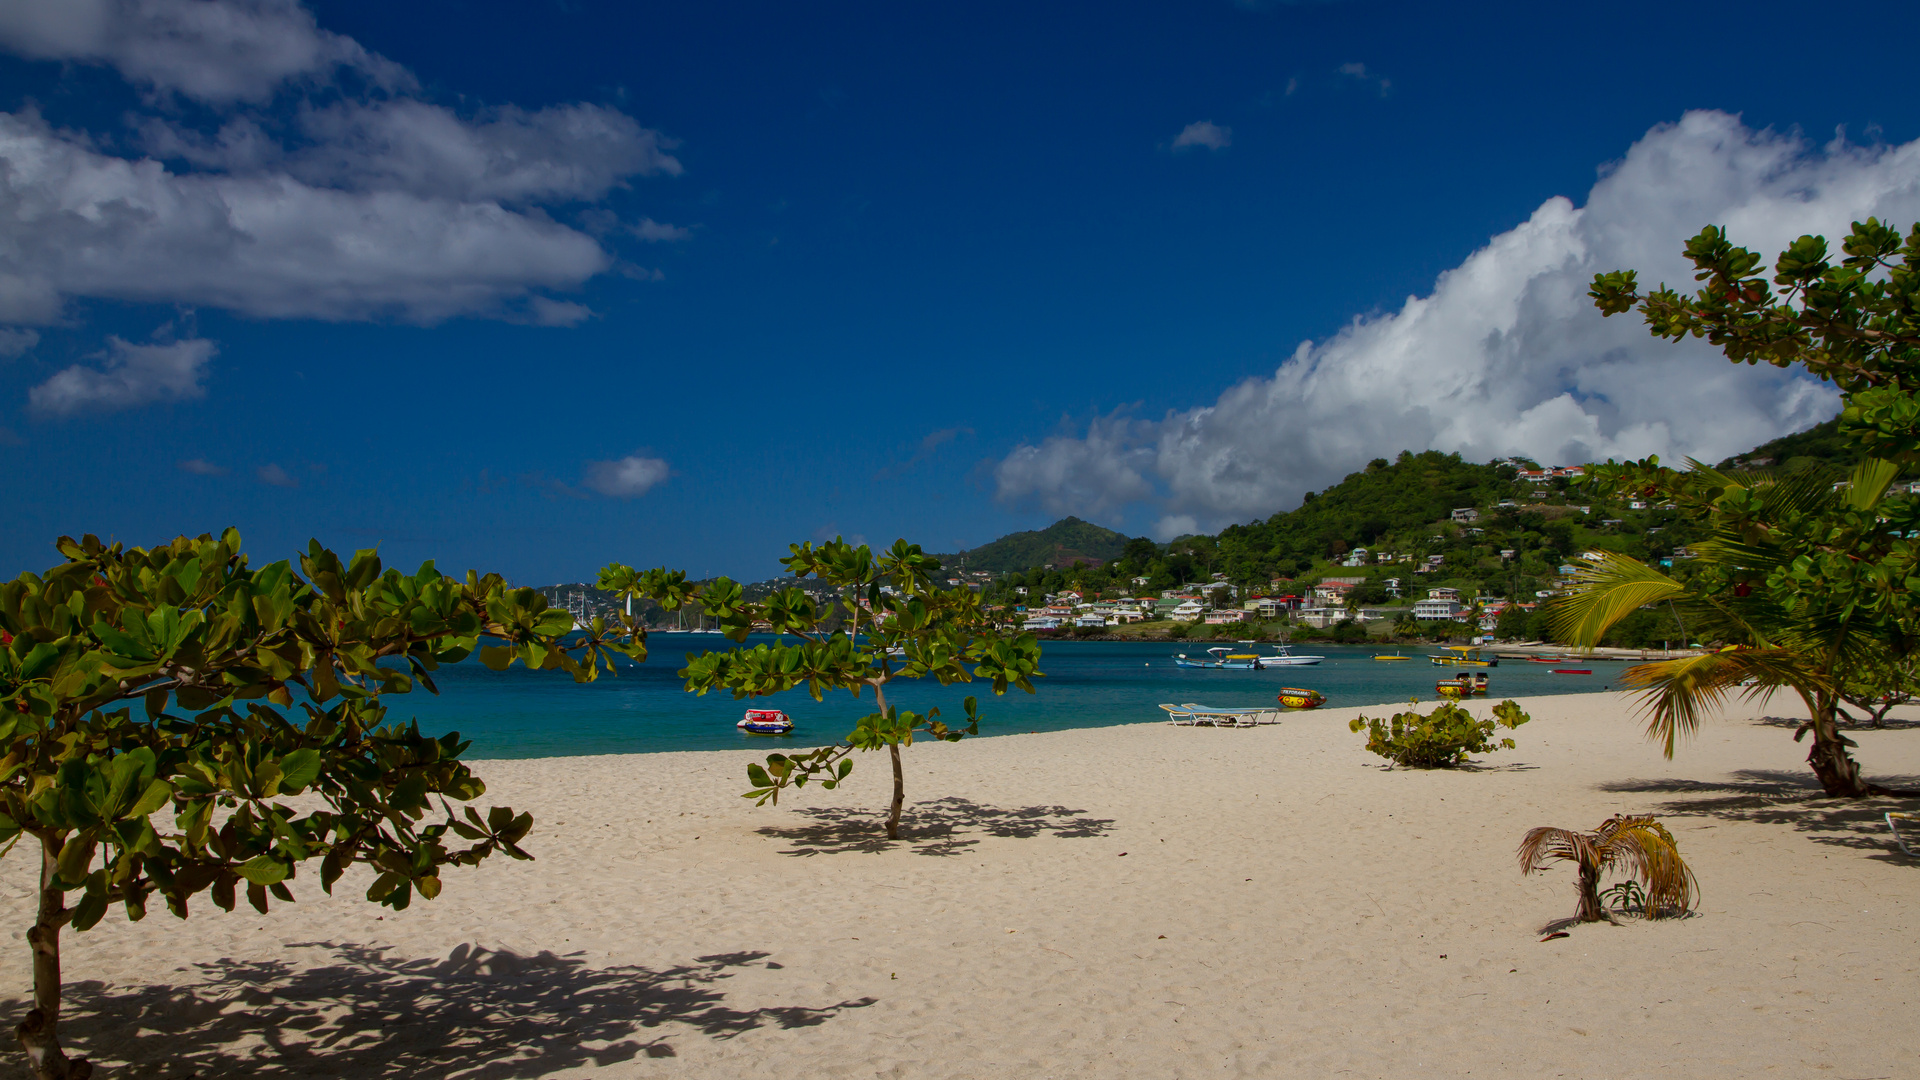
(352,205)
(200,467)
(508,154)
(82,223)
(1359,72)
(1204,133)
(17,342)
(649,229)
(626,478)
(1506,355)
(273,474)
(132,376)
(214,51)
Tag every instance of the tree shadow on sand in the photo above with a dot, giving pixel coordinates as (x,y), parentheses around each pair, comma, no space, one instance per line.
(1862,722)
(936,827)
(476,1015)
(1789,798)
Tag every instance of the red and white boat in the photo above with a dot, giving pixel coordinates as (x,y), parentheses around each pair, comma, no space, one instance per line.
(766,722)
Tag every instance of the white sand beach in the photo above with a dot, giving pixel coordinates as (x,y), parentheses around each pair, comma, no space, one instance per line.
(1133,901)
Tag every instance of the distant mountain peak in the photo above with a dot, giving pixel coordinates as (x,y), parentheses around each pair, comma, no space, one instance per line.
(1062,543)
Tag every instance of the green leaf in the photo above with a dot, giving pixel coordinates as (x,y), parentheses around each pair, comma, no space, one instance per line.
(264,869)
(301,768)
(156,796)
(76,857)
(89,910)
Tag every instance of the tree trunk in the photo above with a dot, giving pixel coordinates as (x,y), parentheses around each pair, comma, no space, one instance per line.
(1590,907)
(1839,774)
(39,1033)
(899,794)
(899,781)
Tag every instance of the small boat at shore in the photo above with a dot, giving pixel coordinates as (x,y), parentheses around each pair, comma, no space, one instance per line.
(766,722)
(1572,671)
(1463,656)
(1466,683)
(1392,657)
(1295,697)
(1548,659)
(1183,660)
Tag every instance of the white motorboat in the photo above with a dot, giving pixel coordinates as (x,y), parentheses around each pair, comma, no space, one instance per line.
(1284,657)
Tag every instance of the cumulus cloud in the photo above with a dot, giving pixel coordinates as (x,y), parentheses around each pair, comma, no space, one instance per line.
(626,478)
(1506,355)
(342,205)
(275,476)
(1204,133)
(200,467)
(89,224)
(214,51)
(131,376)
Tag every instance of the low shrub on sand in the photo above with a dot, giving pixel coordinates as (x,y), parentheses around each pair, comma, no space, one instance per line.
(1441,738)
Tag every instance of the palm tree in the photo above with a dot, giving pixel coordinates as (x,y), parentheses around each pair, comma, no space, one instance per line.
(1801,583)
(1640,846)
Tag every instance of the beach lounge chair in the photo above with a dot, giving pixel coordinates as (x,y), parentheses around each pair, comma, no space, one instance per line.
(1223,717)
(1177,715)
(1895,815)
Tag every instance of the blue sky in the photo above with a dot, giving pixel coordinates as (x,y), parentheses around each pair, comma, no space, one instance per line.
(531,287)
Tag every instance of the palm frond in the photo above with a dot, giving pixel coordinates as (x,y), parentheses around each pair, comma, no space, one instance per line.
(1868,483)
(1670,883)
(1548,843)
(1682,690)
(1606,589)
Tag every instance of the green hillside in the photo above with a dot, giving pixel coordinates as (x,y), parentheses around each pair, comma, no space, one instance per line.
(1818,445)
(1383,498)
(1059,544)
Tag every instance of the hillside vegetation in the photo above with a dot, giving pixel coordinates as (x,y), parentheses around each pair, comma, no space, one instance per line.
(1060,544)
(1361,510)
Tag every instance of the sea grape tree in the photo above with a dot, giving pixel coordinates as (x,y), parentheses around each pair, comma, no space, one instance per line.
(894,624)
(1855,322)
(1808,580)
(159,706)
(1440,739)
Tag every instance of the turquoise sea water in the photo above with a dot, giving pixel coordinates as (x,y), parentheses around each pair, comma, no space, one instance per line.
(519,713)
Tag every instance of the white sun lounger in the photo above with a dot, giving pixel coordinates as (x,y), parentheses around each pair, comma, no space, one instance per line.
(1229,717)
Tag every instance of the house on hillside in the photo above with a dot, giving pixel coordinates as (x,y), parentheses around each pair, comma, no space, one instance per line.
(1091,621)
(1319,617)
(1466,515)
(1225,615)
(1431,610)
(1443,593)
(1332,593)
(1187,611)
(1356,557)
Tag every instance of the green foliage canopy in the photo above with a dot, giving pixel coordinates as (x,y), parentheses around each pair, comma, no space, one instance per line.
(1856,323)
(913,630)
(151,728)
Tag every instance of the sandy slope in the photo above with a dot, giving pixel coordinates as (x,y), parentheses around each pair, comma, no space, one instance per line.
(1139,901)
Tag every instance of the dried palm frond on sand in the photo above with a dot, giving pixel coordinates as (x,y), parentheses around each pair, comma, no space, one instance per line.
(1639,847)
